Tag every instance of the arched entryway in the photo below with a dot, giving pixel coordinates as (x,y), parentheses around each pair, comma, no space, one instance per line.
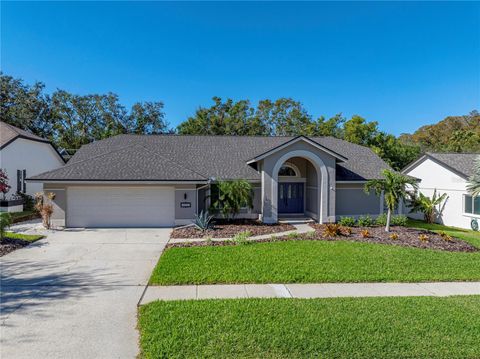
(297,192)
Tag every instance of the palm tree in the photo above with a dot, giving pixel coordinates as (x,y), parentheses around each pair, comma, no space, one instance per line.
(474,181)
(430,207)
(394,187)
(232,196)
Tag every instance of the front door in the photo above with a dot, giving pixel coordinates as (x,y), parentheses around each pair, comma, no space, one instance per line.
(290,197)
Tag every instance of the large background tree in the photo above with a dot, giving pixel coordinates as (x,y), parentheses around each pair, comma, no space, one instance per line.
(71,120)
(452,134)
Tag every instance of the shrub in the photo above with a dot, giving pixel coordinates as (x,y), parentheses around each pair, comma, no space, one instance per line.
(203,221)
(399,220)
(445,236)
(331,230)
(242,237)
(393,236)
(28,201)
(365,233)
(293,235)
(347,221)
(381,220)
(5,222)
(365,221)
(423,237)
(4,186)
(346,231)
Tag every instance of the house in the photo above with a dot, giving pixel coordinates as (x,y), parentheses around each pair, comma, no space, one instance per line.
(24,154)
(164,180)
(448,173)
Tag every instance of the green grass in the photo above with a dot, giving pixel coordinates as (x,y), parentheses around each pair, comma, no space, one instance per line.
(465,234)
(422,327)
(25,237)
(21,214)
(312,262)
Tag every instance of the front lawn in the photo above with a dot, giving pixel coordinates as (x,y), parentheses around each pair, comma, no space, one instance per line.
(422,327)
(464,234)
(312,261)
(24,237)
(13,241)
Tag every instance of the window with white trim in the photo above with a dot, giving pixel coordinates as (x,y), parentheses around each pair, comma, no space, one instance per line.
(287,171)
(471,205)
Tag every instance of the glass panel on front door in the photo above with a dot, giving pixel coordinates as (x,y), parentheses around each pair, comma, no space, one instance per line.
(290,198)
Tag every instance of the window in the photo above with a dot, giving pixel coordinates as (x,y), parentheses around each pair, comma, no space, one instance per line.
(21,184)
(471,204)
(287,171)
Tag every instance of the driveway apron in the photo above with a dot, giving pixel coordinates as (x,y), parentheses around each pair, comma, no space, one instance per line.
(74,294)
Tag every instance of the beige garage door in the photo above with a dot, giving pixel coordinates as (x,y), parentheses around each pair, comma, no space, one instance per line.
(120,207)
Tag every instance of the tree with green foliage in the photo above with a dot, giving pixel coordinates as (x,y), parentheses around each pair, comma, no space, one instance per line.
(223,118)
(394,188)
(473,185)
(431,207)
(452,134)
(70,120)
(231,197)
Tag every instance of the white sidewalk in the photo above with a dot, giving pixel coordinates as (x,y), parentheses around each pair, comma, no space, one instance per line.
(325,290)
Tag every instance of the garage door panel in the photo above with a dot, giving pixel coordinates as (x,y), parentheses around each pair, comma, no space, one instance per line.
(120,207)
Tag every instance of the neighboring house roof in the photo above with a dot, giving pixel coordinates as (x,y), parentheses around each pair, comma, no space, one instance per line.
(197,158)
(460,163)
(9,133)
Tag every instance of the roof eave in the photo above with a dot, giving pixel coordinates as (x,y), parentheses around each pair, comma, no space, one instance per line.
(291,142)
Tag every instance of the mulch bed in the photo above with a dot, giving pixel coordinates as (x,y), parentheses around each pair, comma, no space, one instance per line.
(222,229)
(407,237)
(8,245)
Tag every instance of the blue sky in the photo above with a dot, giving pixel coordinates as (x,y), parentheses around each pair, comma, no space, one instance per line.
(401,64)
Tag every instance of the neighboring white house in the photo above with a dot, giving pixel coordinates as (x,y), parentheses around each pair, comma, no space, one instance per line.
(23,154)
(448,173)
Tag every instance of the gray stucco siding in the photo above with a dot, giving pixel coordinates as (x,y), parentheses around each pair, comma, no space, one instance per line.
(353,201)
(184,197)
(328,199)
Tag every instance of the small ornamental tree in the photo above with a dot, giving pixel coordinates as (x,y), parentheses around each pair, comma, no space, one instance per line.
(4,186)
(394,188)
(431,208)
(44,206)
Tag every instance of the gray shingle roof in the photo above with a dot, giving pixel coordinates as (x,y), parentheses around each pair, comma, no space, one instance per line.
(460,162)
(175,157)
(8,133)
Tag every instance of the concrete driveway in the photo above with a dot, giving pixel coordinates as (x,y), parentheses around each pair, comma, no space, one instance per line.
(74,294)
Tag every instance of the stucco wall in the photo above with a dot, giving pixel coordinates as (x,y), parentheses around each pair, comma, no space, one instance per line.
(268,164)
(311,202)
(435,176)
(353,201)
(35,157)
(59,203)
(191,198)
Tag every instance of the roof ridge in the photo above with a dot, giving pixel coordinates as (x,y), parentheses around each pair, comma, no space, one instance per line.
(170,160)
